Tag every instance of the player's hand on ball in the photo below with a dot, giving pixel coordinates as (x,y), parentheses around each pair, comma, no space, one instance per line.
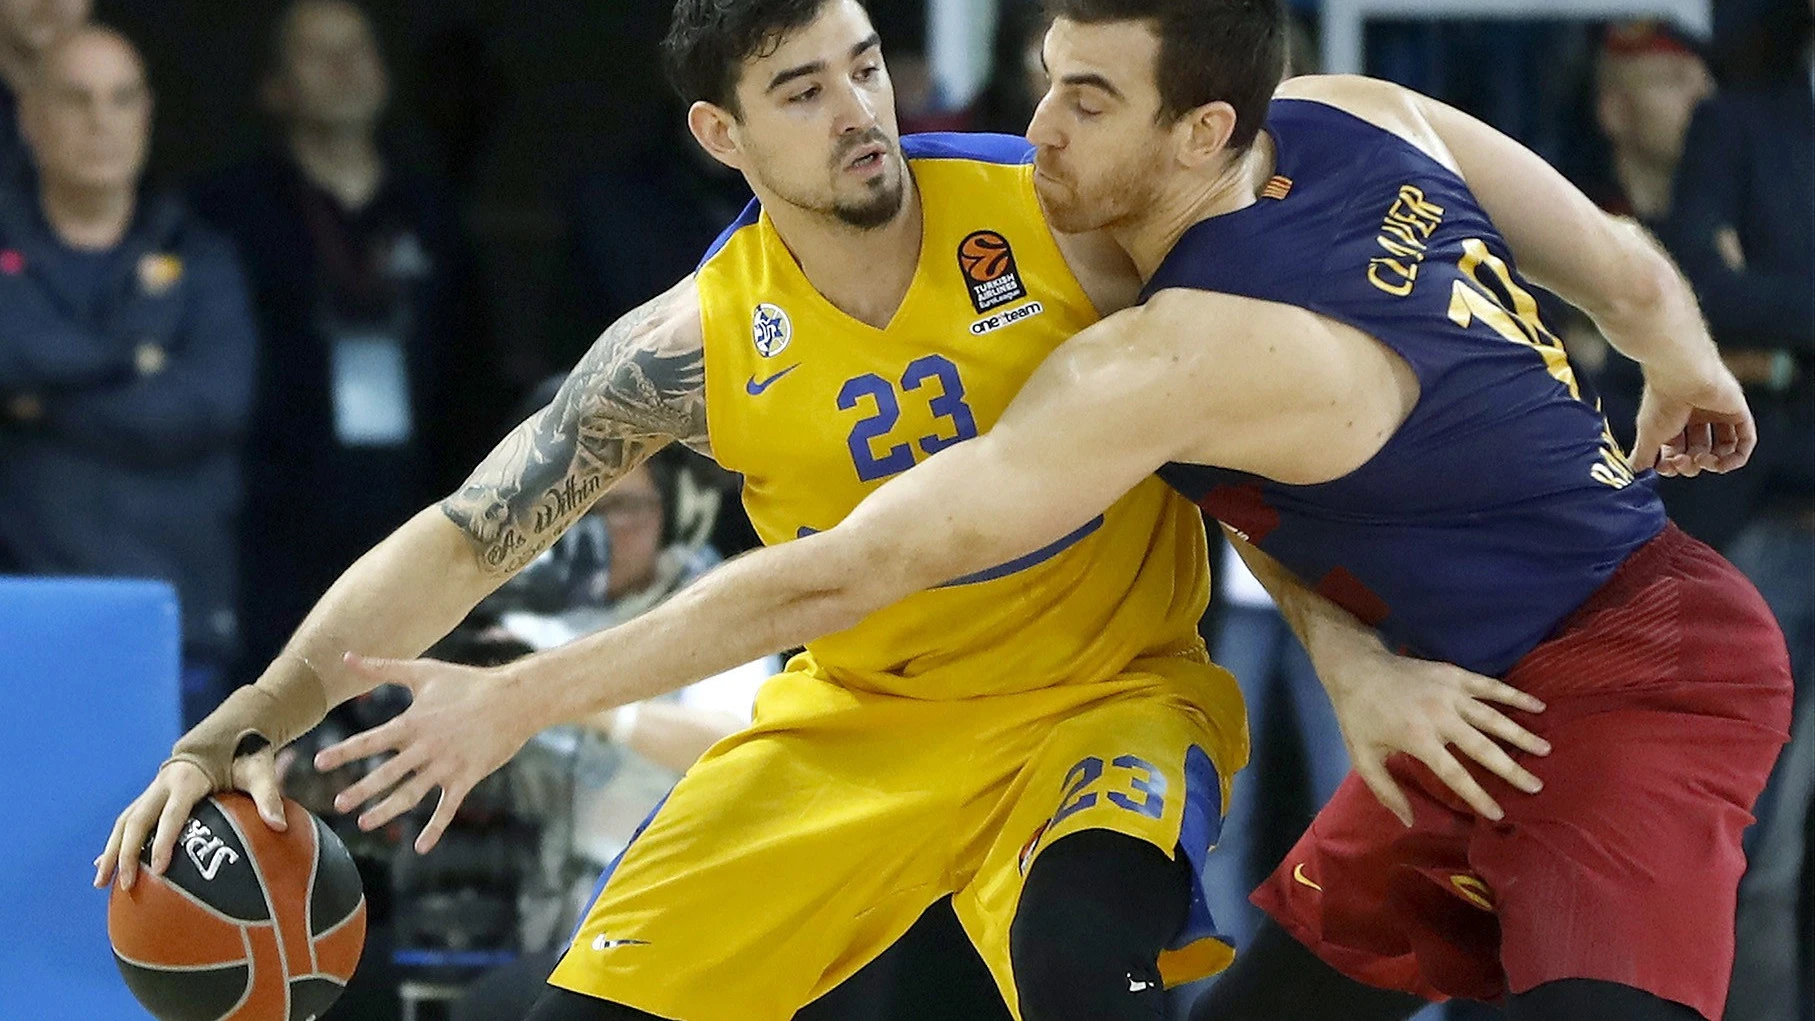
(173,794)
(1388,704)
(1690,423)
(455,733)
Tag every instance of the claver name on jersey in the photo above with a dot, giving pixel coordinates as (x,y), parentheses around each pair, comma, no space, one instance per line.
(206,850)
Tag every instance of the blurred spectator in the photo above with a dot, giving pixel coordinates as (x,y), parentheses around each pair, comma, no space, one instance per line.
(27,29)
(1257,645)
(126,359)
(373,399)
(1648,79)
(1744,231)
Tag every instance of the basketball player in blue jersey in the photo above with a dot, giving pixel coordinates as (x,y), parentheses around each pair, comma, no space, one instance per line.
(1338,354)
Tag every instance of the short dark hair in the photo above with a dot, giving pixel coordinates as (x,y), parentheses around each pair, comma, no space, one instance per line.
(709,40)
(1210,50)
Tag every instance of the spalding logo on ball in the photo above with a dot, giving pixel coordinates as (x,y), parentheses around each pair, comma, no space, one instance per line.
(247,924)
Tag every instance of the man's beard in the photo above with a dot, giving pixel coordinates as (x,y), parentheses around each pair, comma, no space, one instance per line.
(1124,195)
(878,211)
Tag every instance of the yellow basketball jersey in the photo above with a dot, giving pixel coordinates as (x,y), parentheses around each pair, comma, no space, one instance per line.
(815,409)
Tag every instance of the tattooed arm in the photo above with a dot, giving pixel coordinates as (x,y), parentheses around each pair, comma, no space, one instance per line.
(640,387)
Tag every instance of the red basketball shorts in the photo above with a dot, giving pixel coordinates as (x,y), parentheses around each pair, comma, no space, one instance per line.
(1668,699)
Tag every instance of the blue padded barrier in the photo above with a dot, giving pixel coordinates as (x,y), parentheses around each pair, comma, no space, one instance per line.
(89,705)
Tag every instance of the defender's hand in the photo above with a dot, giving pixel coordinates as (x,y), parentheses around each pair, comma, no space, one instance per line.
(1693,422)
(1389,704)
(173,794)
(458,729)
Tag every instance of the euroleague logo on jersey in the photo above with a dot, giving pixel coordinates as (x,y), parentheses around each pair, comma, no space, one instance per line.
(990,271)
(771,330)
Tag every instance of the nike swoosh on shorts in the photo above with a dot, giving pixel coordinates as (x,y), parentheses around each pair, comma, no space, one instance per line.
(1298,873)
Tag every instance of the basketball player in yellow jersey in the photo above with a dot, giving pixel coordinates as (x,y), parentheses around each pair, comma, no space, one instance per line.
(1044,740)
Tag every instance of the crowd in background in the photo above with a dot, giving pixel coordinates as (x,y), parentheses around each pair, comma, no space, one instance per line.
(240,381)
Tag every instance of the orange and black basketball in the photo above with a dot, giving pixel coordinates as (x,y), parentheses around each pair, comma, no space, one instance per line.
(984,256)
(247,924)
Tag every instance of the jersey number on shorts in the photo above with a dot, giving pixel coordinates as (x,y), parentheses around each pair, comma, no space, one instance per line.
(947,404)
(1141,790)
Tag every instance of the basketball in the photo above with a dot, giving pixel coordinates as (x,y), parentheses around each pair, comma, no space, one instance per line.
(984,256)
(247,924)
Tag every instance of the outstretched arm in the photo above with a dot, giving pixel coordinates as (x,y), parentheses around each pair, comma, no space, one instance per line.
(638,388)
(1095,419)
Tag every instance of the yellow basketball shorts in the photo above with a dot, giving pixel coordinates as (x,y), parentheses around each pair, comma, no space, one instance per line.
(795,852)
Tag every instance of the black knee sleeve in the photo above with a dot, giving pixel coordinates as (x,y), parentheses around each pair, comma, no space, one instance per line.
(1097,910)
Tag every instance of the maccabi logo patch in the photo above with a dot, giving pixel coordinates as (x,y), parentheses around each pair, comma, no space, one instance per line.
(989,270)
(771,330)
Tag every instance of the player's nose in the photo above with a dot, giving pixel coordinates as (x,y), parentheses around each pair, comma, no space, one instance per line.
(856,112)
(1040,131)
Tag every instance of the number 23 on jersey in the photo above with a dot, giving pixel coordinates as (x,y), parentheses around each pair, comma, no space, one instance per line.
(875,451)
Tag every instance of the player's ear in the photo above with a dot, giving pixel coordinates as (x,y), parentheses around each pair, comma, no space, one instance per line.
(1204,133)
(712,128)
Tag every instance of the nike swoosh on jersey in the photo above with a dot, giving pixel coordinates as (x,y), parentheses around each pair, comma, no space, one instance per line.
(756,387)
(1298,873)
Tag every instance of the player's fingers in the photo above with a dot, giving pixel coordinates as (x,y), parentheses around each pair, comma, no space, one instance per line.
(1475,745)
(1458,779)
(1487,719)
(1669,454)
(139,819)
(393,772)
(1726,439)
(1648,444)
(1709,459)
(1744,438)
(1373,772)
(1720,455)
(105,864)
(445,809)
(1747,430)
(170,826)
(1728,463)
(1499,691)
(1700,439)
(401,800)
(256,774)
(387,737)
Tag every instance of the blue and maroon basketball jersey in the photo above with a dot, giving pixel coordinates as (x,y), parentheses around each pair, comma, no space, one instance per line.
(1502,502)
